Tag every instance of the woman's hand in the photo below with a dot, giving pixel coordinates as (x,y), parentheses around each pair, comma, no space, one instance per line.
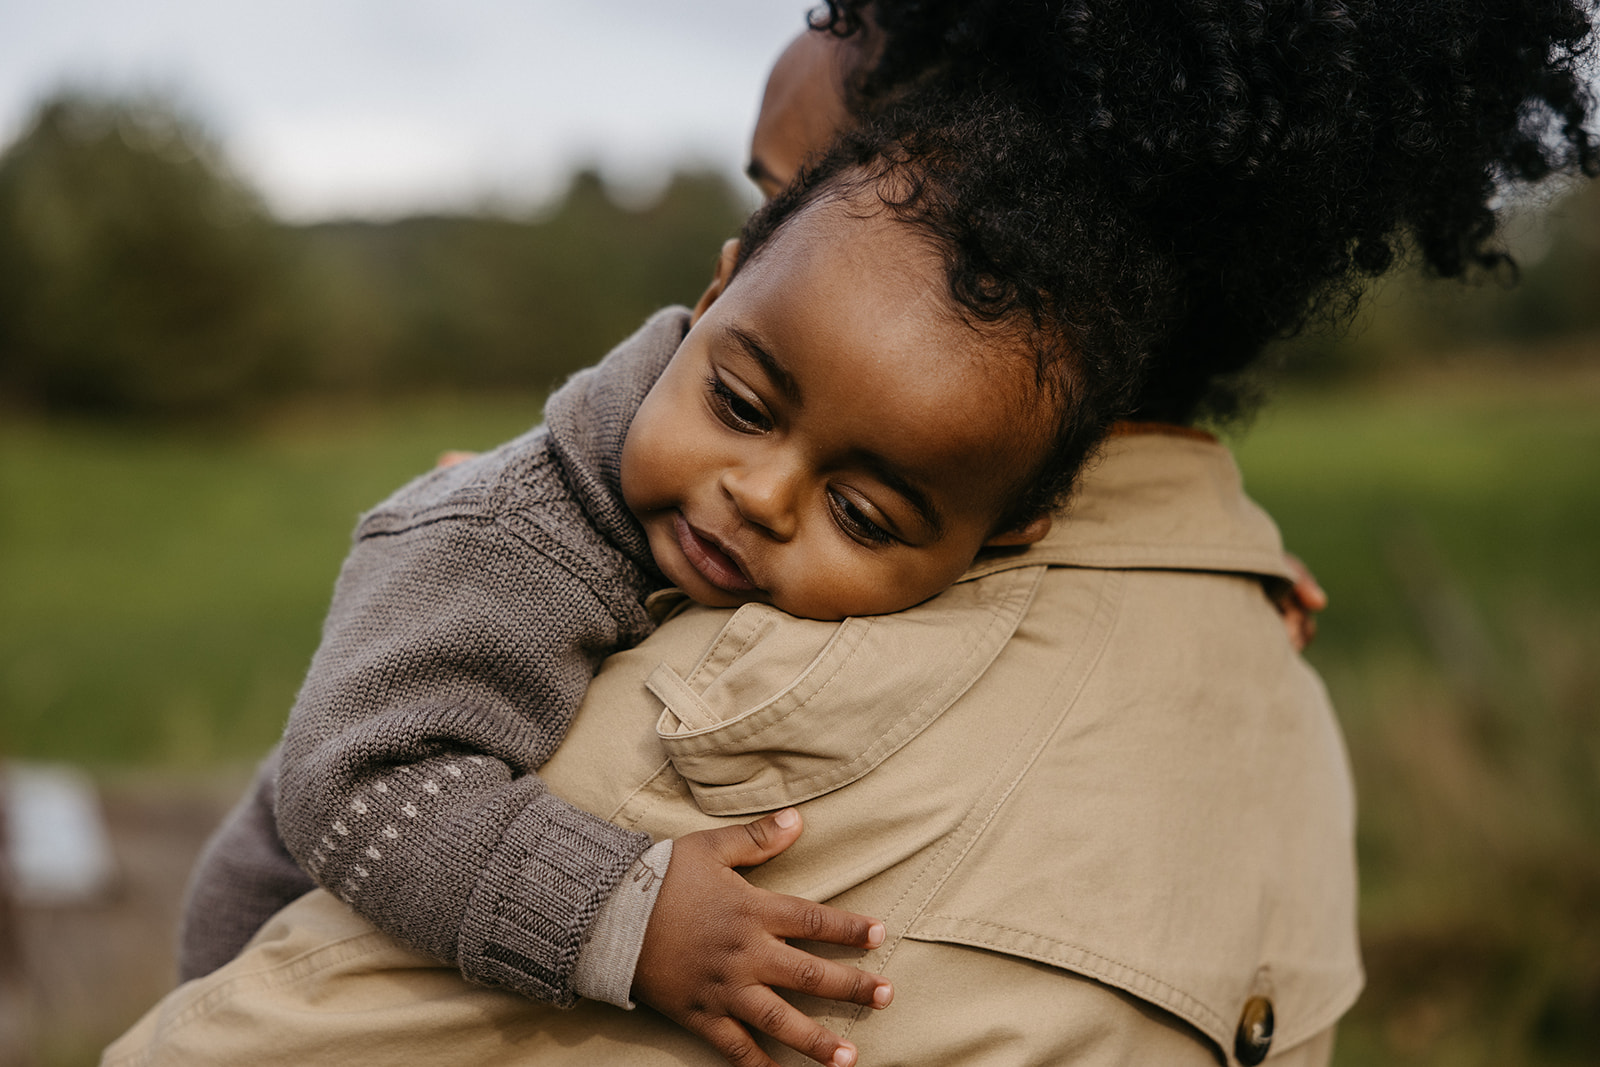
(453,456)
(716,946)
(1300,602)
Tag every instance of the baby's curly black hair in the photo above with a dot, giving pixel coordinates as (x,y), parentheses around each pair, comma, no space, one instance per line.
(1177,182)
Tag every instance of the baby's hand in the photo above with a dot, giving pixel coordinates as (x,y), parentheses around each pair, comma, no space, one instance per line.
(716,945)
(1299,603)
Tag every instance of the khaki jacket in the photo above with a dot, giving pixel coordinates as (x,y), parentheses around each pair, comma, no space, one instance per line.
(1100,804)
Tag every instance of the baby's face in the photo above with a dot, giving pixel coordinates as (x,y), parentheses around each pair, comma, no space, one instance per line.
(830,438)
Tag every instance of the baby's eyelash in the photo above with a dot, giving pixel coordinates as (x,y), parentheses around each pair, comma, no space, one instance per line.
(733,409)
(856,523)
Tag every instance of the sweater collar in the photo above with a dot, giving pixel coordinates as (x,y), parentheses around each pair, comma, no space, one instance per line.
(588,420)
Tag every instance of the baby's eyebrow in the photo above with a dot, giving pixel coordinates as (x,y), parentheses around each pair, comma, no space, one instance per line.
(769,363)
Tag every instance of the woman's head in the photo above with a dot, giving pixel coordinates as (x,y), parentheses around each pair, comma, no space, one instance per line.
(1254,160)
(802,107)
(1138,195)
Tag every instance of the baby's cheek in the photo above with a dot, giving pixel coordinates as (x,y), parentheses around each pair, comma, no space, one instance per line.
(643,462)
(888,587)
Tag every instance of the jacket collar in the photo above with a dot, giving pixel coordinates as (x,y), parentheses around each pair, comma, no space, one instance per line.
(1156,498)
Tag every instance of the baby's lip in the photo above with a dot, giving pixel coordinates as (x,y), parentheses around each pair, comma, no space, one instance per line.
(714,562)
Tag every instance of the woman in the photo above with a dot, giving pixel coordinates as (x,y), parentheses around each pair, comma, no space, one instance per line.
(1313,154)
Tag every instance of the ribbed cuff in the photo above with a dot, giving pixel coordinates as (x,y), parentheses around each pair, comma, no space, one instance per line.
(610,951)
(528,915)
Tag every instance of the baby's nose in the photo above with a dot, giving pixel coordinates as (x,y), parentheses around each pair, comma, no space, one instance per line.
(765,496)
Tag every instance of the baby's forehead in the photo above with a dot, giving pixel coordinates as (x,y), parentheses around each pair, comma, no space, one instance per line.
(853,310)
(870,277)
(849,228)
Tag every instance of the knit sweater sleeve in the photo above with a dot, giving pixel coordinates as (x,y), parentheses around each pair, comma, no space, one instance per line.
(466,624)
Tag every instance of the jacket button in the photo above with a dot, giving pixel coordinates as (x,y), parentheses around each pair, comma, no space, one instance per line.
(1254,1037)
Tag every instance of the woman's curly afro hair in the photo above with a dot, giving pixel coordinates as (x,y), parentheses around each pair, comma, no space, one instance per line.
(1173,183)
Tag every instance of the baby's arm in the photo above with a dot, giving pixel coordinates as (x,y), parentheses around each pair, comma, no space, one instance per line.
(242,878)
(462,635)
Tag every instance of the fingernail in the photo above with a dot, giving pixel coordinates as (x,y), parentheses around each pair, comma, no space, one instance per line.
(787,818)
(882,996)
(875,935)
(844,1056)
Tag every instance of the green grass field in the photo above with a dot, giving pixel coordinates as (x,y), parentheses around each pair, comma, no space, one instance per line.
(1453,523)
(160,595)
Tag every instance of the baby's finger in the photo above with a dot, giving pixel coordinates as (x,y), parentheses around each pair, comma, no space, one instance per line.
(795,917)
(1302,627)
(730,1039)
(776,1017)
(1306,590)
(793,968)
(755,842)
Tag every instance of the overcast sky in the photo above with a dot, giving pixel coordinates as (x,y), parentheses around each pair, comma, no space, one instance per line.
(378,107)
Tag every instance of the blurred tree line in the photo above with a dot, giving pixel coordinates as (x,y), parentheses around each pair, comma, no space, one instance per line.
(141,275)
(1541,309)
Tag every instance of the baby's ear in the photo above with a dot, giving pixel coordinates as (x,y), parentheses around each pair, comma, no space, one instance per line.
(725,261)
(1026,534)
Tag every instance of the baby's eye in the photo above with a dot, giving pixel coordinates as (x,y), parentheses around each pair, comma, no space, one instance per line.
(733,409)
(853,520)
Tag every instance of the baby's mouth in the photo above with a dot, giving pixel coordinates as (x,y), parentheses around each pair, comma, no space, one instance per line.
(709,559)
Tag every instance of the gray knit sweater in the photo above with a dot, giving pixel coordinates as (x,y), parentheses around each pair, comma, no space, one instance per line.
(467,622)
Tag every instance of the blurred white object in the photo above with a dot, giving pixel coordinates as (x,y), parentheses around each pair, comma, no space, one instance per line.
(57,850)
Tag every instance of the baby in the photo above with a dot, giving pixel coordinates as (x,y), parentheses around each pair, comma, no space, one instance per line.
(832,430)
(902,364)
